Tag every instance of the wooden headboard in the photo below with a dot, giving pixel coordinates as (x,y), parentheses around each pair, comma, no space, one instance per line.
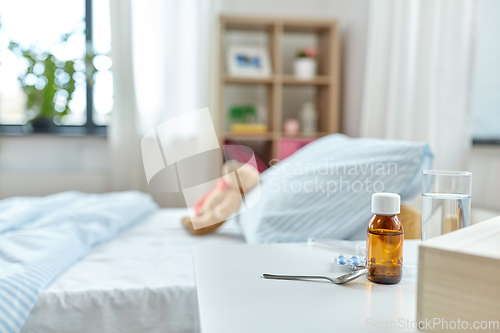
(412,221)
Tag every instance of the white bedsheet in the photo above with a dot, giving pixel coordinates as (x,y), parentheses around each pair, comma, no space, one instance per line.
(142,281)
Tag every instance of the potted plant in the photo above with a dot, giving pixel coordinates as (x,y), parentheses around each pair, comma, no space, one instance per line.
(49,83)
(243,120)
(304,66)
(242,114)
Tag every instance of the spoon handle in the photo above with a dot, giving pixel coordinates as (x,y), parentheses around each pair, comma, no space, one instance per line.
(338,280)
(294,277)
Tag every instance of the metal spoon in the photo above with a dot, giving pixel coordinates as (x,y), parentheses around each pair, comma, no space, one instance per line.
(337,280)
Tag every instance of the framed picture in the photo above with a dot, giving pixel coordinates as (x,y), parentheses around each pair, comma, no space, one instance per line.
(248,61)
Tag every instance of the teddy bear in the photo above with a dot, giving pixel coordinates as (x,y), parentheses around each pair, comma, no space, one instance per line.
(224,199)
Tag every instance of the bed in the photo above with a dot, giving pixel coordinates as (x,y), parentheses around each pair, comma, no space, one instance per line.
(141,281)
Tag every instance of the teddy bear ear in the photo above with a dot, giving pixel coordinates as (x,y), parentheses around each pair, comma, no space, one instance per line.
(230,166)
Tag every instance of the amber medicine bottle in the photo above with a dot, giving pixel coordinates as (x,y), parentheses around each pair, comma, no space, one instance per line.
(384,240)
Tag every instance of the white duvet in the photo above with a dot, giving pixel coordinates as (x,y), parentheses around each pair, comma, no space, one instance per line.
(142,281)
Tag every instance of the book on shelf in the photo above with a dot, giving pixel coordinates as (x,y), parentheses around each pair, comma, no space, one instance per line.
(459,279)
(249,128)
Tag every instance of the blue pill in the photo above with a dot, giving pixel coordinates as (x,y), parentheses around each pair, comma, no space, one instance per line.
(341,256)
(354,258)
(342,262)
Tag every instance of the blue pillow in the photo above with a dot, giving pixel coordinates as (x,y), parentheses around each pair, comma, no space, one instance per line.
(324,189)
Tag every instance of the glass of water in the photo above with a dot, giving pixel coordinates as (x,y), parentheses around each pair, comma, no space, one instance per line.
(445,202)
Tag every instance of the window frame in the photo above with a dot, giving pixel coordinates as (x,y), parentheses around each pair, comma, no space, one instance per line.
(89,128)
(485,142)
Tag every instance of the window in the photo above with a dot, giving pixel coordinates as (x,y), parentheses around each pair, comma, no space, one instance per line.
(486,75)
(55,69)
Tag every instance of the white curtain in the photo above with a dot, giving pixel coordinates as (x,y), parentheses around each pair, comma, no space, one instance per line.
(163,54)
(418,74)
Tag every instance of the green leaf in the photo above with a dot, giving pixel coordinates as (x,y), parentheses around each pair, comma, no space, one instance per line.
(43,101)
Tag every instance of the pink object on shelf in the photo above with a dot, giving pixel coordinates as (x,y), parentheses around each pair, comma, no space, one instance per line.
(289,146)
(291,126)
(242,154)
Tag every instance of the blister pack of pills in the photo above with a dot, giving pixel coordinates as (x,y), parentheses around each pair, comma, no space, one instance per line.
(343,260)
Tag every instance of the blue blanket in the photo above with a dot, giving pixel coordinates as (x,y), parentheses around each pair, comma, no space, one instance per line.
(41,237)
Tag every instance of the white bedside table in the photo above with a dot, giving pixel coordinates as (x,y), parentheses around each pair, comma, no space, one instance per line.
(233,297)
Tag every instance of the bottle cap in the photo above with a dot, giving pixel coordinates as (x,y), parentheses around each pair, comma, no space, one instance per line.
(385,203)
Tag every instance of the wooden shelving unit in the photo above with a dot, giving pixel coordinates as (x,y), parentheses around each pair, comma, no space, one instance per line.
(250,137)
(326,83)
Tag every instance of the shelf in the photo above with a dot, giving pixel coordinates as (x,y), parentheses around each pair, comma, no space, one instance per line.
(287,79)
(307,26)
(271,136)
(304,135)
(248,80)
(267,23)
(248,23)
(249,137)
(317,81)
(272,92)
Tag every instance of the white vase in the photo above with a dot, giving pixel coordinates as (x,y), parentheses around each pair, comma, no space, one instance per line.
(304,68)
(308,118)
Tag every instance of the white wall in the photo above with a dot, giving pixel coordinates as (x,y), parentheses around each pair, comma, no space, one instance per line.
(485,167)
(485,103)
(485,99)
(46,164)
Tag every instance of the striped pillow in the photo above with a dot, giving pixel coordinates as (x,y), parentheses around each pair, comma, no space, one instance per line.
(324,189)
